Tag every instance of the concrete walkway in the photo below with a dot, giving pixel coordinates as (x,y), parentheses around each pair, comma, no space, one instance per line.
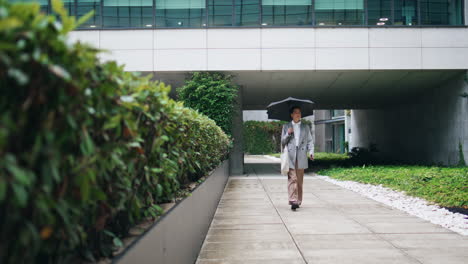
(254,224)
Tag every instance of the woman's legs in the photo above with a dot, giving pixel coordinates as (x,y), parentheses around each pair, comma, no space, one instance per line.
(300,180)
(292,186)
(295,180)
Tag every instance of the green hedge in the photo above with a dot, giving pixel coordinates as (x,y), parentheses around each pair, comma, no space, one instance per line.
(86,149)
(213,94)
(262,137)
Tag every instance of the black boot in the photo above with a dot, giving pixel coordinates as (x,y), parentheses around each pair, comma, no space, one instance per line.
(294,206)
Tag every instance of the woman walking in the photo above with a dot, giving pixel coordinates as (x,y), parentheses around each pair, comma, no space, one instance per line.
(298,137)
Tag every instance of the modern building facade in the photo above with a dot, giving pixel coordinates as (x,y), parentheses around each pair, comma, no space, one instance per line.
(332,132)
(399,64)
(146,14)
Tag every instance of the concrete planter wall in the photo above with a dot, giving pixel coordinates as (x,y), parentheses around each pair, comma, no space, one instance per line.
(178,235)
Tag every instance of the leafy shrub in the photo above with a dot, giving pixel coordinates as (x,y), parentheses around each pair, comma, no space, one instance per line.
(262,137)
(212,94)
(361,155)
(86,149)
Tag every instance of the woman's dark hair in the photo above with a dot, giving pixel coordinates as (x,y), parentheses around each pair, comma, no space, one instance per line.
(291,110)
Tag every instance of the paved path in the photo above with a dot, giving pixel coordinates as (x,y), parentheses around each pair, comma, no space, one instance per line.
(254,224)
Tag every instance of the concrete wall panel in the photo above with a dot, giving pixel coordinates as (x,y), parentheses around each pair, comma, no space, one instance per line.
(180,39)
(180,60)
(233,38)
(446,38)
(394,37)
(131,40)
(342,37)
(395,58)
(288,38)
(288,59)
(134,60)
(90,37)
(232,59)
(342,58)
(290,48)
(445,58)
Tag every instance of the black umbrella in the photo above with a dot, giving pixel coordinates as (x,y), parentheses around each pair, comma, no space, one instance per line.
(280,110)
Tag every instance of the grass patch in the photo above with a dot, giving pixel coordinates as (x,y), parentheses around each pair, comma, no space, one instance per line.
(278,155)
(322,156)
(445,186)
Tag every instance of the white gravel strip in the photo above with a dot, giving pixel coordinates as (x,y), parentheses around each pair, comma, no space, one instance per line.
(415,206)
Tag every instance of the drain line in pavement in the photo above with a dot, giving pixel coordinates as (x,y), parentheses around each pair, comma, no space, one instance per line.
(287,229)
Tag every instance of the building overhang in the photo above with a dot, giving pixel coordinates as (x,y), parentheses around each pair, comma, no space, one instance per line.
(357,89)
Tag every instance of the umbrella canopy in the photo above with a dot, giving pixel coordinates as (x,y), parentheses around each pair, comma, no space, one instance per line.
(280,110)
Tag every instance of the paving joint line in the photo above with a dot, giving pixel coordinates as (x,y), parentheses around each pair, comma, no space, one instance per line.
(276,209)
(369,229)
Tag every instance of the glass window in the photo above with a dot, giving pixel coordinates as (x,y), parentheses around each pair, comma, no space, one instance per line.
(406,12)
(220,13)
(247,12)
(338,138)
(339,12)
(233,13)
(127,13)
(286,12)
(441,12)
(43,3)
(380,12)
(84,6)
(337,113)
(70,7)
(180,13)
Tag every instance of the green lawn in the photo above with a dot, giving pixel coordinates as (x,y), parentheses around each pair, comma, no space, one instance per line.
(446,186)
(322,156)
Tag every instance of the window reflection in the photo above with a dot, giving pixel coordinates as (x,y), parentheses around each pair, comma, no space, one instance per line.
(441,12)
(180,13)
(406,12)
(286,12)
(233,13)
(70,7)
(339,12)
(255,13)
(84,6)
(247,12)
(43,3)
(379,12)
(128,13)
(220,13)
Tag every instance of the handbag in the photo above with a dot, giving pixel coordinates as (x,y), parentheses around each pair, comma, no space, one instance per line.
(285,161)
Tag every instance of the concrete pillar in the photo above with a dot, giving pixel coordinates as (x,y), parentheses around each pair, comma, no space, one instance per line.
(236,159)
(348,129)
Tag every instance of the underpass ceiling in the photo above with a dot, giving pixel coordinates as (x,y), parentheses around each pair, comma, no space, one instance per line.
(329,89)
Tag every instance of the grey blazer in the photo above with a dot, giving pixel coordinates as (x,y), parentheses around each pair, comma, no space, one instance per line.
(306,145)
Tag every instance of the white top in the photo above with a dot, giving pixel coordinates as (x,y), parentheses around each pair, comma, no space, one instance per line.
(297,131)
